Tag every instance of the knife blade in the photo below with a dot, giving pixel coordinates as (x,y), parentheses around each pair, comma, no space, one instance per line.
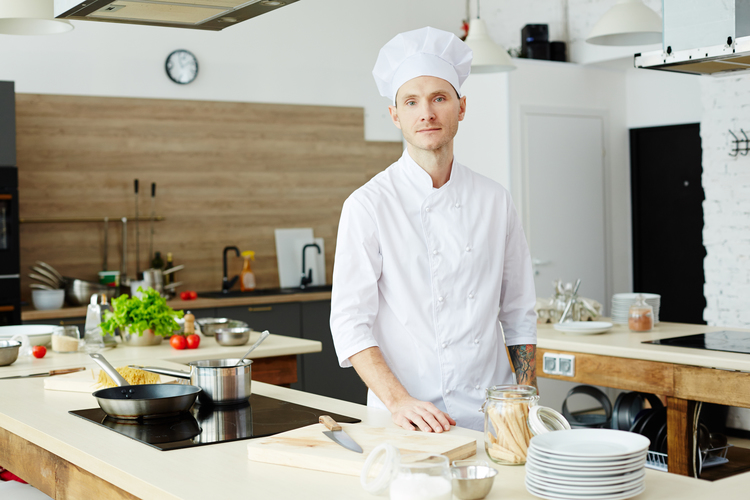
(47,374)
(338,435)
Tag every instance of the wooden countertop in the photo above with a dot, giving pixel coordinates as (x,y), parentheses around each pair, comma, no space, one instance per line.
(31,314)
(621,342)
(223,470)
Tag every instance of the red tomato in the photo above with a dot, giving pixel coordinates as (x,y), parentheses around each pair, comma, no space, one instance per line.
(185,295)
(193,341)
(178,342)
(193,295)
(38,351)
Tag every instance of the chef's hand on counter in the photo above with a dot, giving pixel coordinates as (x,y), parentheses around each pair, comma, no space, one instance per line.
(406,411)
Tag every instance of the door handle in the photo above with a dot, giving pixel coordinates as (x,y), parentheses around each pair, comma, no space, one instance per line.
(260,309)
(537,263)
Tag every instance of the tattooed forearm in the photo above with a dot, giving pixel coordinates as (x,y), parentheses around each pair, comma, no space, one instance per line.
(524,363)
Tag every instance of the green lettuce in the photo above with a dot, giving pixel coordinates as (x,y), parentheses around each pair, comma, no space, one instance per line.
(139,314)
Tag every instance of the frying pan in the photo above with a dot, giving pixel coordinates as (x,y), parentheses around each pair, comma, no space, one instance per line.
(142,401)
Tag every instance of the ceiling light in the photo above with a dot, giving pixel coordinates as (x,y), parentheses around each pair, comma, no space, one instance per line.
(30,17)
(488,57)
(628,22)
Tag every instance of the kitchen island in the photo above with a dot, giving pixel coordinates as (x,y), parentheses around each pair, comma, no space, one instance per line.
(620,359)
(67,457)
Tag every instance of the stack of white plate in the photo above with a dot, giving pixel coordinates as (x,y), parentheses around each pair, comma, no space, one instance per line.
(595,464)
(621,303)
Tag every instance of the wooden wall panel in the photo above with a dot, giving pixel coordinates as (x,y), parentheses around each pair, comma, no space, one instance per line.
(226,173)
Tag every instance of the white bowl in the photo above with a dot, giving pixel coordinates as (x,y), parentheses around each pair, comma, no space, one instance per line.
(48,299)
(38,334)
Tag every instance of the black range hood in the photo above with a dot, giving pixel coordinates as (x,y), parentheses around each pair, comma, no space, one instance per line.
(213,15)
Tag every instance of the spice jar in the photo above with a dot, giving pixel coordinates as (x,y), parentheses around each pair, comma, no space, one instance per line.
(65,339)
(640,316)
(506,428)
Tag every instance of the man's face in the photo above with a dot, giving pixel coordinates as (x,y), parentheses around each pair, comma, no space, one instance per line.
(428,111)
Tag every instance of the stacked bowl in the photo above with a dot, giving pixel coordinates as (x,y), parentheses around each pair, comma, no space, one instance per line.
(621,303)
(596,464)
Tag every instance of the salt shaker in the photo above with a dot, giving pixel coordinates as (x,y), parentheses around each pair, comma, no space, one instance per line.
(640,316)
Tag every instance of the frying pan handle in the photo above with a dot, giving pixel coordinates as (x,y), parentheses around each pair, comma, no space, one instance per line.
(162,371)
(109,369)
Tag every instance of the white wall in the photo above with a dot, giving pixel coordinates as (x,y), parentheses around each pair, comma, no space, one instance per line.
(311,52)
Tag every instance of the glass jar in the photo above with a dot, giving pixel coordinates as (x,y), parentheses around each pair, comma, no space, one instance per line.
(65,338)
(640,316)
(422,478)
(506,427)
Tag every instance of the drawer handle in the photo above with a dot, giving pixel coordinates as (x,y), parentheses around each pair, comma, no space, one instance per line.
(69,323)
(7,308)
(260,309)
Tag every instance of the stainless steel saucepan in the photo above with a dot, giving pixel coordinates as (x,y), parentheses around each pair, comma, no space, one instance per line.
(224,381)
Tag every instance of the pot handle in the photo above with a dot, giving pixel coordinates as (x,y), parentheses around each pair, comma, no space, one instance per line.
(162,371)
(109,369)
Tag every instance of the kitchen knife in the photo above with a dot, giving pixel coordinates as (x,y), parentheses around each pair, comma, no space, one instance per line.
(337,434)
(47,374)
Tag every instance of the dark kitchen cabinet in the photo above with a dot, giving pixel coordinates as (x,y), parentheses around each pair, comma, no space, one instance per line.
(7,124)
(279,319)
(321,373)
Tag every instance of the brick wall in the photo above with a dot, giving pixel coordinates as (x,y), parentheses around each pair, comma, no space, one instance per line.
(726,182)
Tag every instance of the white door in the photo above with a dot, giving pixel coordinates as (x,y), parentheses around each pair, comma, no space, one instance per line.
(565,206)
(564,167)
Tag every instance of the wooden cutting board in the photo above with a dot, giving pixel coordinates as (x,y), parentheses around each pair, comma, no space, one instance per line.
(85,381)
(309,448)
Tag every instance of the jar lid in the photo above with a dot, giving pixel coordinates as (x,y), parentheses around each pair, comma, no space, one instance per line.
(511,391)
(543,420)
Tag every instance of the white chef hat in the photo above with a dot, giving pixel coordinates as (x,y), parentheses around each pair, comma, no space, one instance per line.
(423,52)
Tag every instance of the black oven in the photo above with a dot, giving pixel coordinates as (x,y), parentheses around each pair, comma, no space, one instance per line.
(10,265)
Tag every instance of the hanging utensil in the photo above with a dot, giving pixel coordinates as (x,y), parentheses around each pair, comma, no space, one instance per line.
(106,244)
(263,336)
(124,260)
(151,222)
(137,236)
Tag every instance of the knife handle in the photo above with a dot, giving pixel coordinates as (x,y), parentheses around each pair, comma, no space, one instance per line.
(62,372)
(329,422)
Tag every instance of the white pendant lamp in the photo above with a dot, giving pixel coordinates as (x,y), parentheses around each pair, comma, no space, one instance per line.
(30,17)
(488,57)
(628,22)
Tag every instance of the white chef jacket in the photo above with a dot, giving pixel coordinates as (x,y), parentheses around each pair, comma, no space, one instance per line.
(429,275)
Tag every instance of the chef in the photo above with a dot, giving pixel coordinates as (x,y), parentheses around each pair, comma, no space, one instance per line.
(432,274)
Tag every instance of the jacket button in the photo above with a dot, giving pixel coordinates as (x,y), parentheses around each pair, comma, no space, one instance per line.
(471,295)
(476,341)
(426,209)
(458,205)
(434,252)
(477,387)
(447,391)
(468,248)
(440,299)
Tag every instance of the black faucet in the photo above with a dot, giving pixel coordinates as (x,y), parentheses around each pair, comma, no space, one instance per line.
(307,278)
(226,283)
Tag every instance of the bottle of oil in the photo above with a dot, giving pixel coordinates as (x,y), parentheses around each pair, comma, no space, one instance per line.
(169,278)
(247,277)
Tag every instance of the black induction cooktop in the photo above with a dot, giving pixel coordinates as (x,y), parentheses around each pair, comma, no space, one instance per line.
(725,340)
(260,416)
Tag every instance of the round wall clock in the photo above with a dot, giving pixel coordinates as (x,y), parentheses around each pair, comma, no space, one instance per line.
(181,66)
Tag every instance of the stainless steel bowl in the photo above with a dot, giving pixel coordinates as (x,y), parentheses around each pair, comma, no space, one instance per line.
(210,325)
(472,482)
(232,336)
(79,292)
(8,351)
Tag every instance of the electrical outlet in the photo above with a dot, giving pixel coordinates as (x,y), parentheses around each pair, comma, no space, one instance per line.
(566,365)
(551,364)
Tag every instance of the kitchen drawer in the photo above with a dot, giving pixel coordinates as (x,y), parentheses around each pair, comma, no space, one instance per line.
(279,319)
(321,373)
